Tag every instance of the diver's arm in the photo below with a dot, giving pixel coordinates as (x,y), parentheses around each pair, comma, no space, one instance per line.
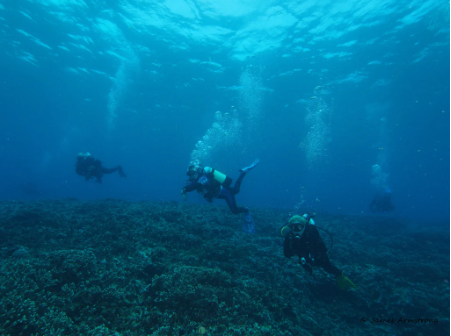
(189,187)
(287,249)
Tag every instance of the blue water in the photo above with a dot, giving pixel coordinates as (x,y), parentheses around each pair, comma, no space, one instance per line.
(320,91)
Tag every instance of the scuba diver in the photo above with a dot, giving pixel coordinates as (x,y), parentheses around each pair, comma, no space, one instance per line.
(382,201)
(90,167)
(302,239)
(214,184)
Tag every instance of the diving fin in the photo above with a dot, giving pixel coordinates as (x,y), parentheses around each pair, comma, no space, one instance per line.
(252,166)
(344,283)
(248,224)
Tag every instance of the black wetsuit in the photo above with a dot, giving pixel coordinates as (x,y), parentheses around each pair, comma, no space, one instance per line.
(90,167)
(211,188)
(311,247)
(382,202)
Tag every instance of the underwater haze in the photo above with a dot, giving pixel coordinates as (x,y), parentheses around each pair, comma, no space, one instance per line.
(320,91)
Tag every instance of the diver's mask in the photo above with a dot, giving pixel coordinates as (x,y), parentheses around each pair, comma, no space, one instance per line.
(194,172)
(295,229)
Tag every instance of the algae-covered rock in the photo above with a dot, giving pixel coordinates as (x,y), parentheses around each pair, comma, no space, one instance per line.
(110,267)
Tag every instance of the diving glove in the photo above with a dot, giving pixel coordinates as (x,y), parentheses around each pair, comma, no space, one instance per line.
(344,283)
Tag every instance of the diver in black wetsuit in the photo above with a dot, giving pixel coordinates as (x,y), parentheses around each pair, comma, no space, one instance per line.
(382,201)
(303,240)
(90,167)
(214,184)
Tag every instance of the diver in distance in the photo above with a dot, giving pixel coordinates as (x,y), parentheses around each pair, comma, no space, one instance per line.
(302,239)
(382,201)
(214,184)
(90,167)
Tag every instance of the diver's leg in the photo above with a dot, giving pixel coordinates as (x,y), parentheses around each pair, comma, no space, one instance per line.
(231,202)
(112,170)
(236,188)
(109,170)
(328,266)
(121,172)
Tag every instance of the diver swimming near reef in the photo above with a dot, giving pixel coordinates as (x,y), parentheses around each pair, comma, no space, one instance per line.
(214,184)
(90,167)
(302,239)
(382,200)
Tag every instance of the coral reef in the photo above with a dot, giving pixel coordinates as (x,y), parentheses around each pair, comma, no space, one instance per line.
(110,267)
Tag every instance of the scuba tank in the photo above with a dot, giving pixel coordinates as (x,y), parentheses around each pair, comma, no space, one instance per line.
(218,176)
(215,175)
